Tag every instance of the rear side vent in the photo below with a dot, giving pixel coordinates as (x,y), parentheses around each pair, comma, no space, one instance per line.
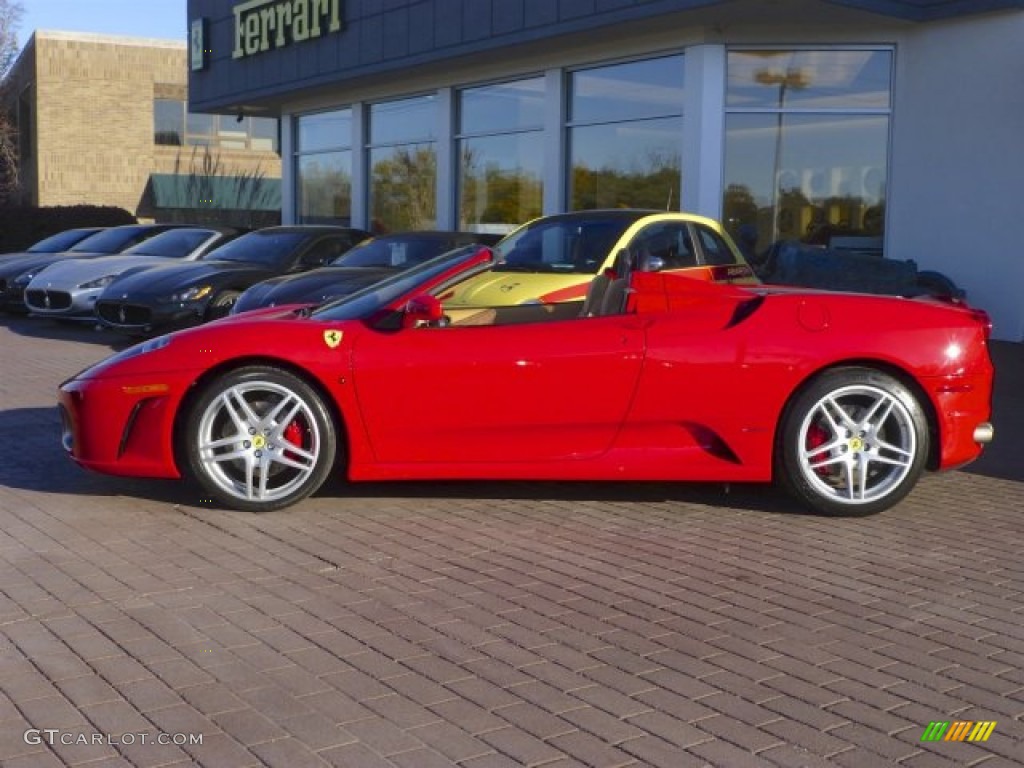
(744,310)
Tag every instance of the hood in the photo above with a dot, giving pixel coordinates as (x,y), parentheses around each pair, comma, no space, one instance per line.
(230,337)
(494,288)
(8,257)
(322,284)
(283,312)
(70,273)
(33,262)
(173,278)
(313,287)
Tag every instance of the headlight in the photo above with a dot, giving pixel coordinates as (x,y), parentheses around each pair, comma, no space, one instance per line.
(100,282)
(151,345)
(193,294)
(24,279)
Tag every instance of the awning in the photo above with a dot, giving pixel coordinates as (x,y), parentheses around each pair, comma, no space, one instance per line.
(929,10)
(239,193)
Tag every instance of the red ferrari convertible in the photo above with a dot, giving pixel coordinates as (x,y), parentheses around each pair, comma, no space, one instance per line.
(846,399)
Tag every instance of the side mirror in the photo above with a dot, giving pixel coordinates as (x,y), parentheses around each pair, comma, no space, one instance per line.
(422,310)
(650,263)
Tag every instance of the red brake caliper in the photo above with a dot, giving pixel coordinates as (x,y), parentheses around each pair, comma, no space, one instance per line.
(296,435)
(817,436)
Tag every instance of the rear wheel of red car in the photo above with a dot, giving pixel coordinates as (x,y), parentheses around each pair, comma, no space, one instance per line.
(853,442)
(259,439)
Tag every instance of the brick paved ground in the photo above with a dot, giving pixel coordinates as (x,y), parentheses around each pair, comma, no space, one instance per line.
(486,625)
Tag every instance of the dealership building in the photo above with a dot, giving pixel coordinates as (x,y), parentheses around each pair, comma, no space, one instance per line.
(894,125)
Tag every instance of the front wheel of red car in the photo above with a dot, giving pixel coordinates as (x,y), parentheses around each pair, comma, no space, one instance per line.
(854,442)
(259,439)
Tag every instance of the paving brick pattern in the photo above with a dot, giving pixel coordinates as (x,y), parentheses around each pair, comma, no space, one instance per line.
(485,625)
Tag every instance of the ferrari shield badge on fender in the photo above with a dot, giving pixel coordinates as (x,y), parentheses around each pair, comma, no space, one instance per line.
(332,338)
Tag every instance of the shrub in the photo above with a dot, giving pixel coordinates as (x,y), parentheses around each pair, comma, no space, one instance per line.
(21,227)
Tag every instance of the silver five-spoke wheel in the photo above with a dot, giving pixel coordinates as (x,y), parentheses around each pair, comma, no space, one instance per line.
(854,442)
(259,439)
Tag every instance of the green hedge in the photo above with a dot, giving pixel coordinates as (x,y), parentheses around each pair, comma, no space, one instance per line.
(21,227)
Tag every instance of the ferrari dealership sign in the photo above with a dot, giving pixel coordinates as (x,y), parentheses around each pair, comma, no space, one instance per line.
(261,25)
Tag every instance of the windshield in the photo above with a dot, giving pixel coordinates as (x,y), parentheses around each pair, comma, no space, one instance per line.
(112,240)
(61,241)
(379,295)
(271,249)
(577,243)
(174,244)
(401,251)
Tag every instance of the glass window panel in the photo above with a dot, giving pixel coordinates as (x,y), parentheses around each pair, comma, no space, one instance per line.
(503,107)
(324,188)
(200,124)
(809,79)
(667,242)
(716,251)
(804,177)
(500,181)
(263,132)
(233,134)
(649,88)
(402,187)
(632,164)
(168,121)
(404,121)
(325,130)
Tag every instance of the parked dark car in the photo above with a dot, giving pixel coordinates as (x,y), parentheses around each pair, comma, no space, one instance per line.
(17,273)
(367,263)
(183,294)
(54,243)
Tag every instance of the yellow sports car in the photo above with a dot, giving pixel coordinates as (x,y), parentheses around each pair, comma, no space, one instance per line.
(553,259)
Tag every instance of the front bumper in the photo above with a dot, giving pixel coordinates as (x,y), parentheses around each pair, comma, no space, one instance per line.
(145,317)
(12,298)
(58,303)
(119,426)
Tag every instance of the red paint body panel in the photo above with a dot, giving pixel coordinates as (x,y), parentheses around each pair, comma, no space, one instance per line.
(509,398)
(690,385)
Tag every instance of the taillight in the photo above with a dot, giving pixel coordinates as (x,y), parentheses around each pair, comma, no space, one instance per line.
(986,321)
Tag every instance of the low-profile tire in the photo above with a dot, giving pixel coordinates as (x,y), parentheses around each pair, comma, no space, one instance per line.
(852,443)
(258,439)
(221,304)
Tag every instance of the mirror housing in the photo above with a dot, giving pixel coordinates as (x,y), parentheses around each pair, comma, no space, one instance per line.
(422,310)
(649,263)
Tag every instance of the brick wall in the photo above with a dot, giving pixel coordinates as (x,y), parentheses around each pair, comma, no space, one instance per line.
(94,119)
